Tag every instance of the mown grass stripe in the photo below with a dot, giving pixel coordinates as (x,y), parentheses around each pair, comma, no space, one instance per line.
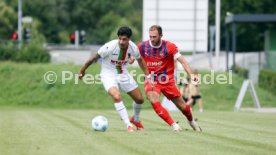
(68,132)
(112,141)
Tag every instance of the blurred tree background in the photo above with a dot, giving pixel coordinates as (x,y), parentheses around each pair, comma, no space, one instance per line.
(59,18)
(56,19)
(249,35)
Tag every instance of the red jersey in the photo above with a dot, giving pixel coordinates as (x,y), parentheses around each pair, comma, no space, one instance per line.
(159,60)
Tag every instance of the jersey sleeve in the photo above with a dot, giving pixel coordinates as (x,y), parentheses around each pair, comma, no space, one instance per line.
(135,51)
(174,51)
(140,47)
(104,50)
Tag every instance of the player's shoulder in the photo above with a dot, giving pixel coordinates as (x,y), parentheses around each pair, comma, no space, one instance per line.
(171,47)
(111,45)
(143,43)
(132,44)
(169,44)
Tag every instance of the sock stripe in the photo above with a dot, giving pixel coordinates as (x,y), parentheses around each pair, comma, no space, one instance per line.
(121,109)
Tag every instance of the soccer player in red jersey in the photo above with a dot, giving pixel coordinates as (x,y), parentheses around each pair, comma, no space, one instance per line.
(159,56)
(115,77)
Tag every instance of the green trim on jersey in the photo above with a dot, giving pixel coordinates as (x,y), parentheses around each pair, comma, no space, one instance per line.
(122,56)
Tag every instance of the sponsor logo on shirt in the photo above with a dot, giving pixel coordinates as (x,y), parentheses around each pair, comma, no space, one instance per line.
(120,62)
(154,63)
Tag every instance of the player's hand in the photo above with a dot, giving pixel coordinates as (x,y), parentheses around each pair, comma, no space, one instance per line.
(194,79)
(150,80)
(81,74)
(131,60)
(190,101)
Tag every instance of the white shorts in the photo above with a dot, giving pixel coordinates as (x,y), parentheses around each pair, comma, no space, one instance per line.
(124,82)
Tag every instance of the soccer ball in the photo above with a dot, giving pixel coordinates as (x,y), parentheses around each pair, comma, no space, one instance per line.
(99,123)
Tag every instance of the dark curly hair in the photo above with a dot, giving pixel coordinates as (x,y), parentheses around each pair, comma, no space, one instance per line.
(124,31)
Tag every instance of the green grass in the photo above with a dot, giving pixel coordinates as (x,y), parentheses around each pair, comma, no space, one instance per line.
(40,118)
(224,96)
(56,131)
(23,85)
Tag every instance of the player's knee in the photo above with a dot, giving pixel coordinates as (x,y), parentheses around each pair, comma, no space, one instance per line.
(140,100)
(117,97)
(152,99)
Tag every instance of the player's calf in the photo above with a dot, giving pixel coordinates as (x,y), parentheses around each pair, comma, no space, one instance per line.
(163,113)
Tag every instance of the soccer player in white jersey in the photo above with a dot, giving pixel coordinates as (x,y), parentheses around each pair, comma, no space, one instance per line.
(115,55)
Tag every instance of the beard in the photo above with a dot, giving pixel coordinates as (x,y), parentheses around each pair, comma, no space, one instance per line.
(124,46)
(156,43)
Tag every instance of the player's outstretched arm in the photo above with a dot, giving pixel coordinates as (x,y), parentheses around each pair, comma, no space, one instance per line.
(131,60)
(143,65)
(187,68)
(91,60)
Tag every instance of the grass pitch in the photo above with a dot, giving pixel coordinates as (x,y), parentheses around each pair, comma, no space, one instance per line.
(65,132)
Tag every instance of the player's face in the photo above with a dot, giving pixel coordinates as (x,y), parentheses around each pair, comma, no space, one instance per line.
(155,38)
(123,41)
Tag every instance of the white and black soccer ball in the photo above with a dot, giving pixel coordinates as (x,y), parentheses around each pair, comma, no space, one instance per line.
(99,123)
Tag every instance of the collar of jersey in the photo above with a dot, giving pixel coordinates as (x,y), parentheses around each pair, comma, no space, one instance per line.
(156,46)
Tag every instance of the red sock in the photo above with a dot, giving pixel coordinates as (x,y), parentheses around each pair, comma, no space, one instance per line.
(188,113)
(162,112)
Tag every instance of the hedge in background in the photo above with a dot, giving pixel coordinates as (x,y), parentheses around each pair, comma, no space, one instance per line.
(7,52)
(32,53)
(267,80)
(241,71)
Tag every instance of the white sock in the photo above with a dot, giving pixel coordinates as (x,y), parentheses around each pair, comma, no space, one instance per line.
(121,109)
(136,111)
(175,126)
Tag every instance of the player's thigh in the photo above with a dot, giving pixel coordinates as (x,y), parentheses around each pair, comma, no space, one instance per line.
(126,83)
(152,93)
(179,102)
(136,95)
(114,92)
(153,96)
(109,81)
(171,91)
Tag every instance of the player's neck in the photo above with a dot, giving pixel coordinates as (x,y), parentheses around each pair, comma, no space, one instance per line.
(157,46)
(124,48)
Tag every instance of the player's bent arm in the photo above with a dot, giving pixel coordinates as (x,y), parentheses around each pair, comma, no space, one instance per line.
(182,89)
(143,65)
(91,60)
(185,65)
(131,60)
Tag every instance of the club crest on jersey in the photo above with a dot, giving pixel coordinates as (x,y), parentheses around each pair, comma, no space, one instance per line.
(147,54)
(161,53)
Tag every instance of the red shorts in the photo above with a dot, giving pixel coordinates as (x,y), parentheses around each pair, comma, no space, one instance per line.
(170,90)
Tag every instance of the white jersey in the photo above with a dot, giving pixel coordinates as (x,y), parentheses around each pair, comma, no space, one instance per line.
(115,59)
